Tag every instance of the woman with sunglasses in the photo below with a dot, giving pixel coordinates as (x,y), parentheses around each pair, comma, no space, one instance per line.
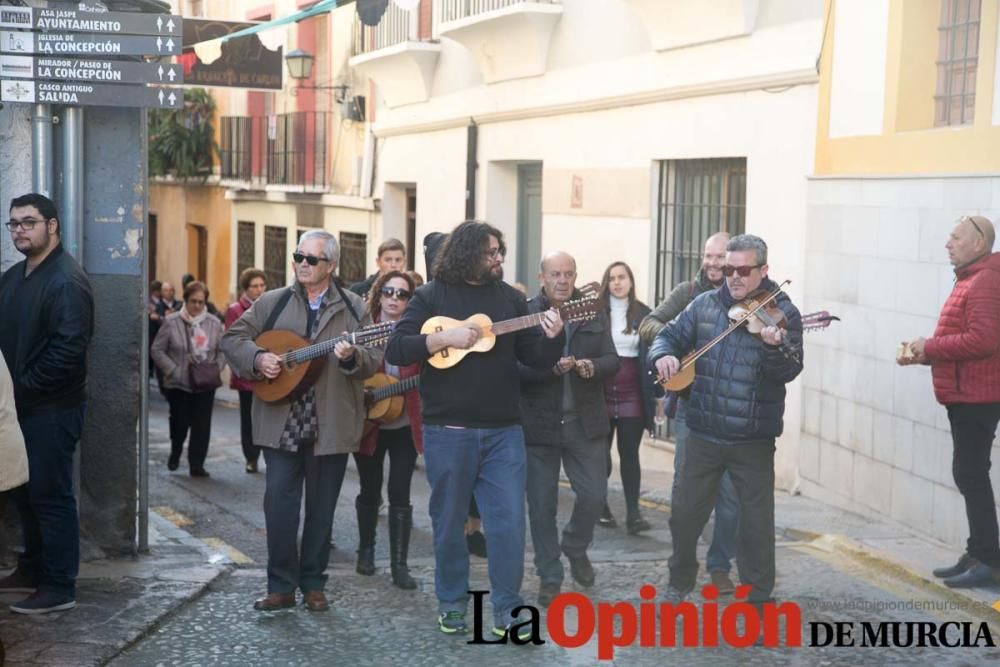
(188,337)
(629,398)
(401,439)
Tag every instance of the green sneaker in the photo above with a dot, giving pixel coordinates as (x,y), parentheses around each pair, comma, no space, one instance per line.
(452,622)
(523,632)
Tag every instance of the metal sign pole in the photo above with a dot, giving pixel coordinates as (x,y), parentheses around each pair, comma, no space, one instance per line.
(143,527)
(41,150)
(73,168)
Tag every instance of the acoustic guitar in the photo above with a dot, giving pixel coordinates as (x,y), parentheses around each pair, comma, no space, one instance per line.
(384,396)
(571,311)
(302,362)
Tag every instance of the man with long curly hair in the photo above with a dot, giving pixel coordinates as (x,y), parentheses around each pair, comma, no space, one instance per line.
(473,442)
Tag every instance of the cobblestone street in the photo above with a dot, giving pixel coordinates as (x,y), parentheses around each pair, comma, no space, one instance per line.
(373,623)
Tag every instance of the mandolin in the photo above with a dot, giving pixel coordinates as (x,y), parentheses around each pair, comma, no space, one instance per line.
(302,362)
(384,396)
(571,311)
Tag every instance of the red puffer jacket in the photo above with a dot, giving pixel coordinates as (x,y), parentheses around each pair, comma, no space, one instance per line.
(965,350)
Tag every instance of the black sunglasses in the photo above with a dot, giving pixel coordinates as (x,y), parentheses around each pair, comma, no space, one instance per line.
(398,292)
(297,257)
(743,271)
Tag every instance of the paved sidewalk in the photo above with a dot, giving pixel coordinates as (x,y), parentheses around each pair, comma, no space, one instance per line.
(118,602)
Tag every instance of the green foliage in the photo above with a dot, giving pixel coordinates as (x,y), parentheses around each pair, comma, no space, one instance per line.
(182,141)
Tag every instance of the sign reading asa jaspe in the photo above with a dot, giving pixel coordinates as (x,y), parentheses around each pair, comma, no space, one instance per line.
(81,69)
(71,20)
(90,94)
(63,44)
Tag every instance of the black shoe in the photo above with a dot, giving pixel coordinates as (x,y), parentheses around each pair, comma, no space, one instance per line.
(476,543)
(547,593)
(979,575)
(367,521)
(963,564)
(251,467)
(607,519)
(675,596)
(400,524)
(43,602)
(173,462)
(581,570)
(199,472)
(18,581)
(637,525)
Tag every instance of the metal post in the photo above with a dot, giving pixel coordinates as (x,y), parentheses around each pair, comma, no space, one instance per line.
(72,204)
(143,537)
(41,150)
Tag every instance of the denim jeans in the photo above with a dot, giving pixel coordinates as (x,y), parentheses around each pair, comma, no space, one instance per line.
(722,550)
(46,503)
(488,464)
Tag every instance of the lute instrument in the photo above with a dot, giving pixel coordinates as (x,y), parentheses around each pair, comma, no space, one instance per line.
(302,361)
(384,396)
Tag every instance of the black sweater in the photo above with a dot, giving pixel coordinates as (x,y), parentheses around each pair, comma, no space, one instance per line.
(46,322)
(482,391)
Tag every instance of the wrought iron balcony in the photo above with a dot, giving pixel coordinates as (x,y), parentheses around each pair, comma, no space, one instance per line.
(284,150)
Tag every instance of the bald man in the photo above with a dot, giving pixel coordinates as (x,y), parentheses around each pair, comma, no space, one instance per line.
(566,425)
(722,550)
(964,356)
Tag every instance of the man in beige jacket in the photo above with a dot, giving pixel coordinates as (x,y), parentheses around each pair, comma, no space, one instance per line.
(305,441)
(13,458)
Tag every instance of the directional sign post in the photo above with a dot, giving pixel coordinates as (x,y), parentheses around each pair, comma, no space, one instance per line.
(78,69)
(90,94)
(82,44)
(71,20)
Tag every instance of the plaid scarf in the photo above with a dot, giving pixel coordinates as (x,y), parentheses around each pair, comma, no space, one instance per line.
(302,425)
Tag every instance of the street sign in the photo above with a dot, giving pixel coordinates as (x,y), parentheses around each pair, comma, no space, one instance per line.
(82,44)
(80,69)
(90,94)
(71,20)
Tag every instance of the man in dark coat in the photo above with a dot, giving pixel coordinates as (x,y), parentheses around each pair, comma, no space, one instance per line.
(391,257)
(566,424)
(735,413)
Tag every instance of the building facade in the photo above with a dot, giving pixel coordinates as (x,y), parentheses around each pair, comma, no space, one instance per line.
(907,141)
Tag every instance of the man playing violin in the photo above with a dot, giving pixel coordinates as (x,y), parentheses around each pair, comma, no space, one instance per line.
(473,441)
(734,414)
(305,441)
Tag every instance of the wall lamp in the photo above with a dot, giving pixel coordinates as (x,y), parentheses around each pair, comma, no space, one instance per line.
(300,66)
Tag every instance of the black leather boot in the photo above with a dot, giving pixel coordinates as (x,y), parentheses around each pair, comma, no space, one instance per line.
(400,523)
(367,521)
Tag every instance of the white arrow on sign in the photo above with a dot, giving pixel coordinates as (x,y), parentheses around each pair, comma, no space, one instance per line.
(170,45)
(170,25)
(159,24)
(159,44)
(172,98)
(172,74)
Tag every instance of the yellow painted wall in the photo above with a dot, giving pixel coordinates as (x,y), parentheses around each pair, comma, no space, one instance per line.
(910,144)
(176,206)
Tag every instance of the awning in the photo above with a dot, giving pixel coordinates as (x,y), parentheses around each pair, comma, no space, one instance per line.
(211,50)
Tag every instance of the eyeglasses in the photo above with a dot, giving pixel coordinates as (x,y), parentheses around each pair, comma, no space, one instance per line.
(743,271)
(312,260)
(493,253)
(196,302)
(397,292)
(26,225)
(965,218)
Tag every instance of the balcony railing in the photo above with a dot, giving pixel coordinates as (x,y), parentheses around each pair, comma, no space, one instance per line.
(282,149)
(397,26)
(453,10)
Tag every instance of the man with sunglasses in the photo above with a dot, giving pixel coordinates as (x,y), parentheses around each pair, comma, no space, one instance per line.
(722,549)
(46,323)
(473,441)
(734,414)
(964,356)
(305,441)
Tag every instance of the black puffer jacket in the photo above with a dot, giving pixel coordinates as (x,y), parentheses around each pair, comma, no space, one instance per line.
(738,395)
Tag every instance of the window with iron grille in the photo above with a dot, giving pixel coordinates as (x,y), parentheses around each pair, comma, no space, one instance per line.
(353,251)
(697,198)
(245,246)
(958,57)
(275,255)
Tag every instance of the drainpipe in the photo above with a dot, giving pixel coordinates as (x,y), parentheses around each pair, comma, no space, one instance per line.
(471,165)
(41,150)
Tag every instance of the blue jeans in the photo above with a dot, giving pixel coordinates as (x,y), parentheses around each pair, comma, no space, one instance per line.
(722,550)
(488,464)
(46,503)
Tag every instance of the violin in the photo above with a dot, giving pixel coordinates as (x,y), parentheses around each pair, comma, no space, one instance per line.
(764,314)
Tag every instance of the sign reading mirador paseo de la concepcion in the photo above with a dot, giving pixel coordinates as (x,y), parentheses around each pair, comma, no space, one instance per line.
(75,57)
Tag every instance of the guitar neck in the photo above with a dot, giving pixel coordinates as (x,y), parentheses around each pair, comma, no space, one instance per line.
(316,351)
(396,388)
(516,324)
